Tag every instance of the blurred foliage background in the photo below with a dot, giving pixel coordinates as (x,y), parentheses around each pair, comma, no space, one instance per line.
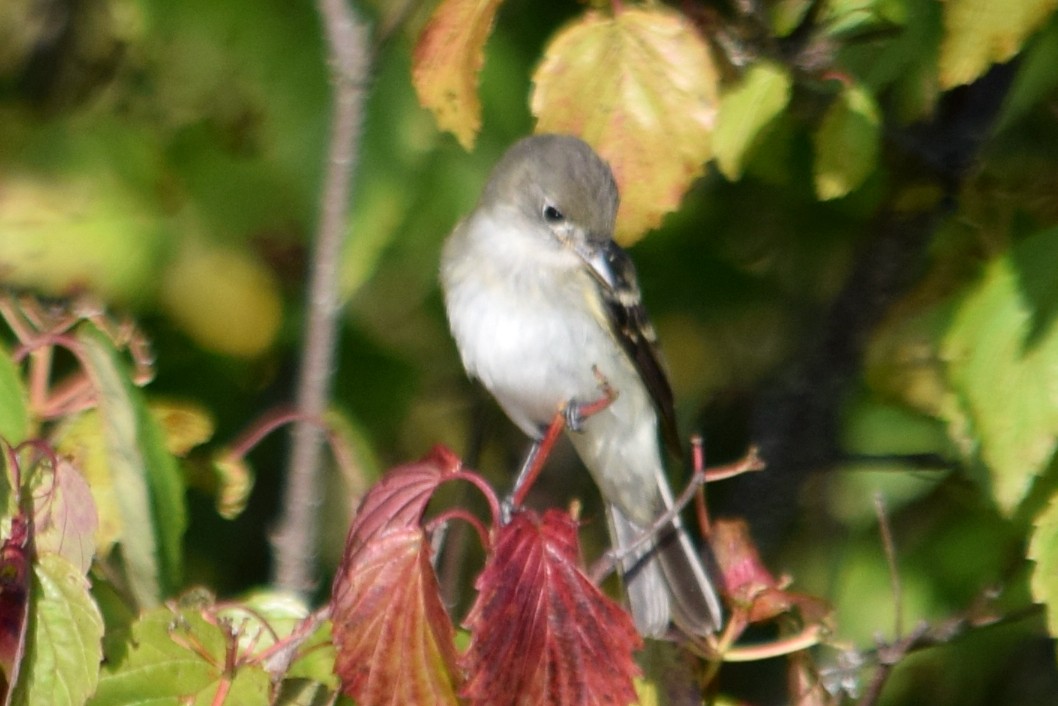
(167,157)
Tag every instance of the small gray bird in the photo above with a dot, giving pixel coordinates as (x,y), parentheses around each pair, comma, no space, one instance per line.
(541,303)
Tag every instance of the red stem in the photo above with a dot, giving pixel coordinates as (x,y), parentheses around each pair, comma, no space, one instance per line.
(458,513)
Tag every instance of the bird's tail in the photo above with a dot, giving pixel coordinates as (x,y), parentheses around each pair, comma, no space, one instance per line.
(665,579)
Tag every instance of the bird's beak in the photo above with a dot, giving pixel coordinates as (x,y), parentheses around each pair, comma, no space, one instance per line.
(601,265)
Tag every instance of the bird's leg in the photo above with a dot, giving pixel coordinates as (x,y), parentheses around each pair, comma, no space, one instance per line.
(524,473)
(571,416)
(533,464)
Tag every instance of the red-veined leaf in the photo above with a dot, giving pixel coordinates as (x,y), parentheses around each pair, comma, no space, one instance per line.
(394,638)
(399,499)
(542,633)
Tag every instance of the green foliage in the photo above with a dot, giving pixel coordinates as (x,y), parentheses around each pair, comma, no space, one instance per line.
(847,143)
(1000,350)
(14,418)
(166,158)
(143,474)
(745,112)
(174,655)
(65,639)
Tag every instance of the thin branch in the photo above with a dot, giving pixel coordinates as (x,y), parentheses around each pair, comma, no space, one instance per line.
(890,559)
(810,636)
(925,635)
(609,560)
(294,540)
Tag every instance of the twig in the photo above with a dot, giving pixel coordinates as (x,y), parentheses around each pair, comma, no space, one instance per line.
(606,563)
(925,635)
(294,540)
(810,636)
(278,658)
(701,509)
(890,559)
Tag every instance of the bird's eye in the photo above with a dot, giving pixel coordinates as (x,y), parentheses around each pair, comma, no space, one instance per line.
(552,214)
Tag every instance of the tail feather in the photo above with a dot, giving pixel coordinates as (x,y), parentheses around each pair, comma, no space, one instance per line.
(694,604)
(665,580)
(644,582)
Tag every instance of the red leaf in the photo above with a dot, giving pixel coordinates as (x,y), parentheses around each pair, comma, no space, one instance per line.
(744,573)
(749,584)
(399,499)
(393,635)
(14,600)
(542,632)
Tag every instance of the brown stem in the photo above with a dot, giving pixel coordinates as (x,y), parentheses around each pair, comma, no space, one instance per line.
(890,559)
(294,540)
(750,462)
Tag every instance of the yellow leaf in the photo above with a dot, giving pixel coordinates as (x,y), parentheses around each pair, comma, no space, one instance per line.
(222,298)
(641,87)
(979,33)
(69,234)
(186,425)
(81,438)
(448,58)
(1043,550)
(234,483)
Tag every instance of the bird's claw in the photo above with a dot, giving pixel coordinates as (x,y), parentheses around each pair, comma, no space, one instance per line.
(507,508)
(574,416)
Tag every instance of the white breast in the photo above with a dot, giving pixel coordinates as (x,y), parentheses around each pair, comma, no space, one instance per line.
(514,311)
(527,322)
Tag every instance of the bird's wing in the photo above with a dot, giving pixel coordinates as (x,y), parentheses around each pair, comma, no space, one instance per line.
(616,276)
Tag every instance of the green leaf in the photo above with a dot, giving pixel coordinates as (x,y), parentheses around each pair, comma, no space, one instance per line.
(78,231)
(846,143)
(166,493)
(905,65)
(315,661)
(14,419)
(267,616)
(175,658)
(979,33)
(150,494)
(1000,349)
(1035,80)
(786,15)
(65,645)
(745,112)
(849,17)
(1043,549)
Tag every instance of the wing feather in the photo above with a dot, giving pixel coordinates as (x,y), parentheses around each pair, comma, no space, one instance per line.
(631,326)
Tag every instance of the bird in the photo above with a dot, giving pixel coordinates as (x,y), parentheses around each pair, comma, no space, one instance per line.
(545,309)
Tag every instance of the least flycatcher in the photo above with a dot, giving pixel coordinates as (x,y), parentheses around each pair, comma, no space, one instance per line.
(542,304)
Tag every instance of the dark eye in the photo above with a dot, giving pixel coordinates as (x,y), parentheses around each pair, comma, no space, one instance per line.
(553,215)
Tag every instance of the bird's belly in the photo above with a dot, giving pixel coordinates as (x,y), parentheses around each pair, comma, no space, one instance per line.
(533,360)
